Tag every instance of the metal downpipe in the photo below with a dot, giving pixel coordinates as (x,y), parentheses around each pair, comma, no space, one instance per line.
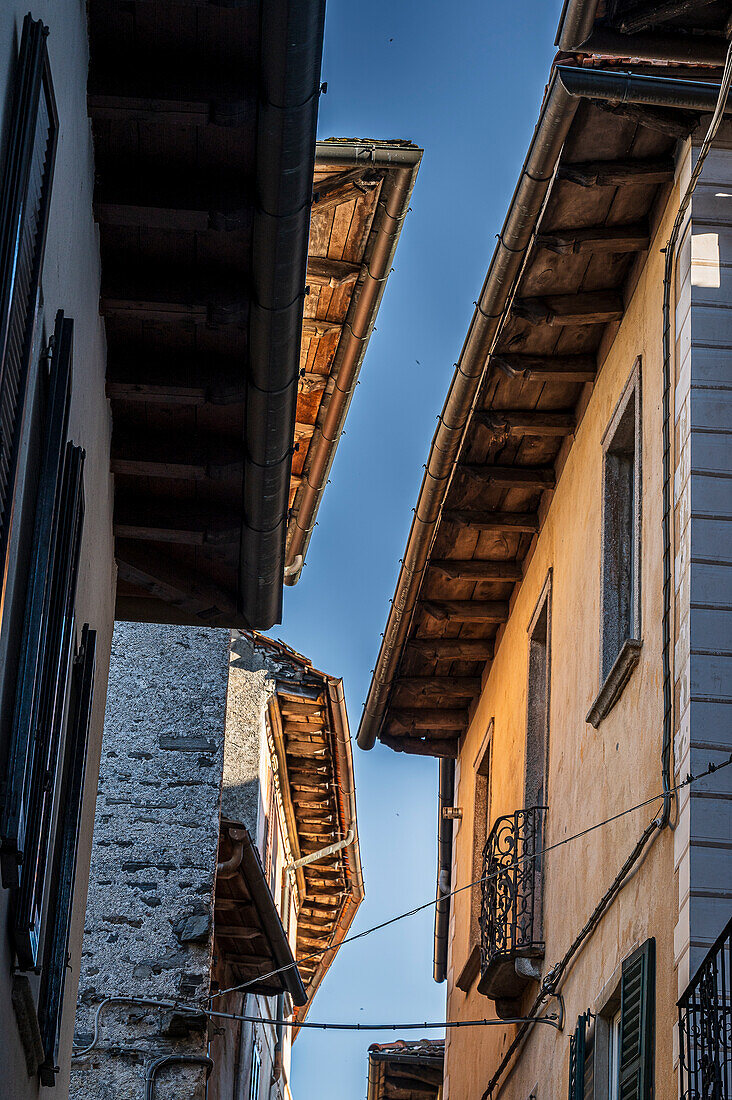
(444,867)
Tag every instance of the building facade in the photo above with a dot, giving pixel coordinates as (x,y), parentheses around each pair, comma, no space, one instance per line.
(171,392)
(560,632)
(93,100)
(225,848)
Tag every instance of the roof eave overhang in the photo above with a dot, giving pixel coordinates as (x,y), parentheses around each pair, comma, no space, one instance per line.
(568,85)
(400,163)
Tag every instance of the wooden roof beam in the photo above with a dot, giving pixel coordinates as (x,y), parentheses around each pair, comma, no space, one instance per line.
(138,374)
(649,15)
(156,454)
(520,522)
(609,173)
(237,932)
(467,611)
(314,326)
(673,123)
(142,519)
(323,271)
(597,238)
(421,719)
(342,187)
(229,308)
(452,649)
(511,477)
(447,747)
(474,570)
(466,686)
(505,422)
(202,109)
(548,368)
(588,308)
(174,584)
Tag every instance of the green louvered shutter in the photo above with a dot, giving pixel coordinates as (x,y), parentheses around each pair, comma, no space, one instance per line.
(577,1044)
(637,1010)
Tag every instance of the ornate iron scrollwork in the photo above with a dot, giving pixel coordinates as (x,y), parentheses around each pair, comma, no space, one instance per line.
(705,1026)
(511,887)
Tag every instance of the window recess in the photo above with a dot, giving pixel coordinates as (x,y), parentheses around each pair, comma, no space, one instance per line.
(25,190)
(620,640)
(481,829)
(511,920)
(45,664)
(611,1053)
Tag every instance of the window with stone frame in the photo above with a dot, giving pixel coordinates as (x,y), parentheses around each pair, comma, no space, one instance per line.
(612,1047)
(481,827)
(620,637)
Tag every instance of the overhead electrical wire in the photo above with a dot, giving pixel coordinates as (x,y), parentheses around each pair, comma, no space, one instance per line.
(548,989)
(710,770)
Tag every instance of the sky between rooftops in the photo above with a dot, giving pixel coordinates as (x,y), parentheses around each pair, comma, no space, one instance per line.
(464,80)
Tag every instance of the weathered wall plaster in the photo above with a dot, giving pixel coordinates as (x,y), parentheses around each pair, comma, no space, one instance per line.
(148,929)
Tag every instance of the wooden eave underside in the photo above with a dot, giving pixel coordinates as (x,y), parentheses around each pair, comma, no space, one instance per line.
(406,1077)
(241,940)
(613,179)
(304,741)
(172,100)
(344,204)
(687,16)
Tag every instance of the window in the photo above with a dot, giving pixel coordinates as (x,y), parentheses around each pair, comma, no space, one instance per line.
(537,720)
(481,826)
(25,191)
(621,525)
(613,1057)
(611,1053)
(255,1072)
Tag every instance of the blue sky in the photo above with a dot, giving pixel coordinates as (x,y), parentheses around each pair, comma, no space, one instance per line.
(465,82)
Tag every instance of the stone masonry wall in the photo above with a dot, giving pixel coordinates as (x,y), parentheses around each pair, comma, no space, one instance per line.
(148,930)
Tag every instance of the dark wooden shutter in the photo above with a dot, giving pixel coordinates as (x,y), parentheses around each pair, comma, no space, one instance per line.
(25,189)
(577,1060)
(43,674)
(38,601)
(56,948)
(637,1010)
(589,1068)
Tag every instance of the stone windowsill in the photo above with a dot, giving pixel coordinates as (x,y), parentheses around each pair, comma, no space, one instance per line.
(469,972)
(615,682)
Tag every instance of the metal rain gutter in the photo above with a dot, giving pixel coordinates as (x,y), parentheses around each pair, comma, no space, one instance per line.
(291,49)
(444,867)
(575,23)
(397,189)
(554,123)
(649,91)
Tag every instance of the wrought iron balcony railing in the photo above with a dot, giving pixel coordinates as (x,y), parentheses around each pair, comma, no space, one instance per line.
(705,1026)
(511,917)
